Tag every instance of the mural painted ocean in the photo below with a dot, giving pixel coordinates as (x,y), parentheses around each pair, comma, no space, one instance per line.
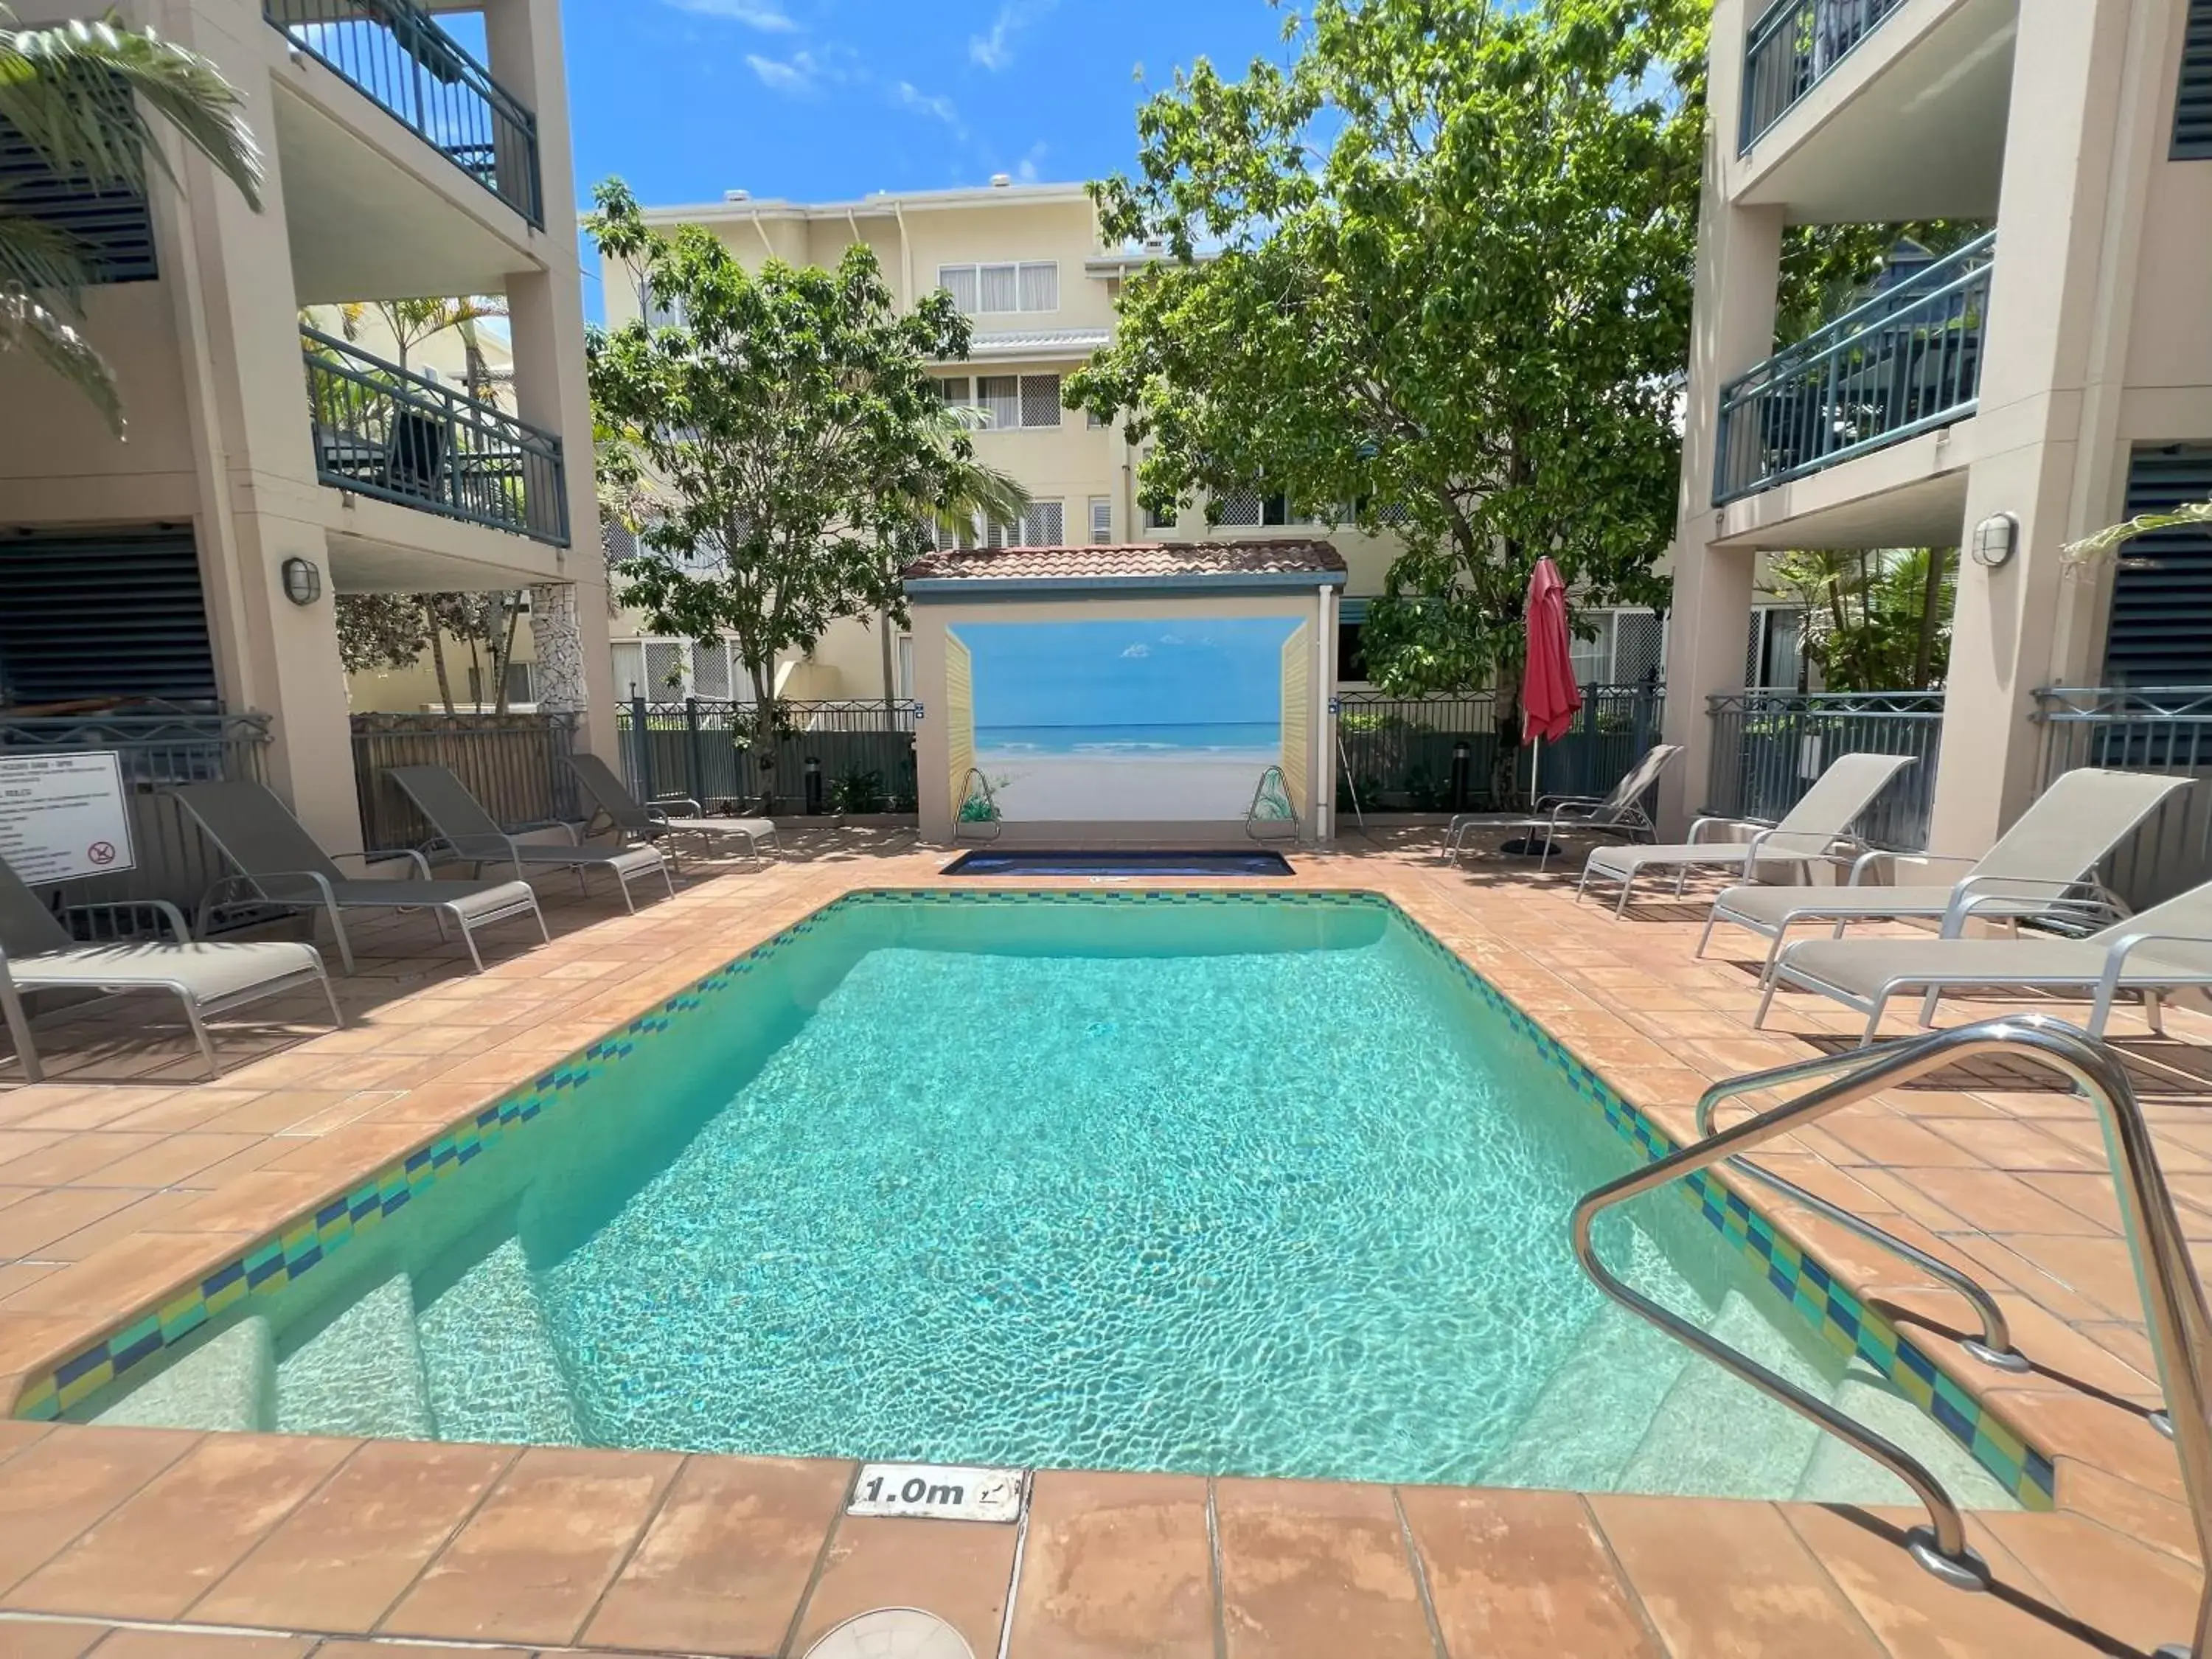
(1216,740)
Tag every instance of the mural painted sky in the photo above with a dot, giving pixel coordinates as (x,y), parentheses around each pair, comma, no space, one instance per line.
(1119,720)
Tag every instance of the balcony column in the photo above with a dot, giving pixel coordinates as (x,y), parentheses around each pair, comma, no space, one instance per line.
(229,272)
(1739,268)
(2051,449)
(546,319)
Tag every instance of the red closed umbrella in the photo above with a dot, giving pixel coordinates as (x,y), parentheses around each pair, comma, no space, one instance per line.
(1550,699)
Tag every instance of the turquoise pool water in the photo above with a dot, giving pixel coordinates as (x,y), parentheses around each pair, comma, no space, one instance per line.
(1241,1185)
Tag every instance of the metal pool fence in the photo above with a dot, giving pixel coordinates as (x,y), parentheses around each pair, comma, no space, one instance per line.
(155,751)
(1435,754)
(844,756)
(1769,746)
(515,764)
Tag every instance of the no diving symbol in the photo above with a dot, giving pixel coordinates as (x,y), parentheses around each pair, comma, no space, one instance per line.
(101,852)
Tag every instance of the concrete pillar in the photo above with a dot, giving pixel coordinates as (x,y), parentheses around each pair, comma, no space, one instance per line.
(1739,268)
(246,401)
(2091,97)
(546,312)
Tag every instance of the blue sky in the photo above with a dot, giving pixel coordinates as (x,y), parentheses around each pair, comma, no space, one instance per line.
(827,100)
(1108,673)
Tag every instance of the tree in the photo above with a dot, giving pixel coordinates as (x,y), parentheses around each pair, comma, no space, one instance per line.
(380,630)
(1875,621)
(81,94)
(410,322)
(393,630)
(781,443)
(1448,297)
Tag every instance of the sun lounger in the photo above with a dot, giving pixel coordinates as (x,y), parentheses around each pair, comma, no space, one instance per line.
(38,954)
(1619,813)
(1815,831)
(471,833)
(2040,868)
(649,822)
(279,863)
(2167,948)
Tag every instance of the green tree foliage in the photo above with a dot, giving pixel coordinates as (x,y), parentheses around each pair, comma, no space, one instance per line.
(380,630)
(1449,298)
(780,446)
(81,94)
(1875,621)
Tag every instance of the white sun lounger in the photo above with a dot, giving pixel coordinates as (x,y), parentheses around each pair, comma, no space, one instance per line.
(1814,831)
(1620,813)
(650,822)
(38,954)
(2038,868)
(280,864)
(2167,948)
(474,835)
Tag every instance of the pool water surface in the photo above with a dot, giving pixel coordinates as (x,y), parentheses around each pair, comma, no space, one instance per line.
(1222,1183)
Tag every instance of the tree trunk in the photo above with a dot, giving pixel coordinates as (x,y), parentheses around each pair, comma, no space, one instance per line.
(502,645)
(438,658)
(1931,596)
(762,676)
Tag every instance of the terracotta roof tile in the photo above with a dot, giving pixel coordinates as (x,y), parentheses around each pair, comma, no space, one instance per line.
(1289,556)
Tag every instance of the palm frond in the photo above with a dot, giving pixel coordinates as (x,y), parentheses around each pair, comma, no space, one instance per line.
(28,325)
(68,90)
(2091,550)
(37,257)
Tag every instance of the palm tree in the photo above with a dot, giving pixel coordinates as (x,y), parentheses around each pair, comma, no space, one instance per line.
(410,322)
(81,94)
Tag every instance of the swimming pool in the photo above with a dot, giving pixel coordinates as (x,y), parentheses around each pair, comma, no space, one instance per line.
(1226,1182)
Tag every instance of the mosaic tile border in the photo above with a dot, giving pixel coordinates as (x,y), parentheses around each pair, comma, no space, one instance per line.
(287,1255)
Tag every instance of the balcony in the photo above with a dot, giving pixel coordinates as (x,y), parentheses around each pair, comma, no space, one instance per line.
(384,432)
(395,54)
(1906,361)
(1791,49)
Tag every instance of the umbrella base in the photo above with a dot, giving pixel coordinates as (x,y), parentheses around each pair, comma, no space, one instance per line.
(1529,847)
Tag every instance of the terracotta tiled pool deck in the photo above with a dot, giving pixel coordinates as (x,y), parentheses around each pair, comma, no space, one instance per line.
(121,1179)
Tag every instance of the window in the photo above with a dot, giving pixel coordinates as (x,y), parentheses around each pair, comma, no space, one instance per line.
(1102,519)
(1043,524)
(1030,286)
(952,388)
(1094,420)
(1351,656)
(658,314)
(1156,519)
(1250,506)
(518,685)
(2193,102)
(1040,400)
(1626,651)
(1010,402)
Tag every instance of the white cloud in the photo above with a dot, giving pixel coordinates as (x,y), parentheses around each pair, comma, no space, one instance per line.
(764,14)
(1138,651)
(796,76)
(1026,169)
(995,51)
(906,95)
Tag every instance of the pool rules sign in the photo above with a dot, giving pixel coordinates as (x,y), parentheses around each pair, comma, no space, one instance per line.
(63,817)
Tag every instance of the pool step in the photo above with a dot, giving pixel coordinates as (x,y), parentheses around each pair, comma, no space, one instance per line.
(493,1371)
(361,1374)
(1716,1435)
(1592,1411)
(228,1381)
(1837,1474)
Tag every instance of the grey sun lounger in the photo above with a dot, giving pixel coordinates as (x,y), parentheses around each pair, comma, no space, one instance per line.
(2165,948)
(38,954)
(2040,868)
(471,833)
(1811,832)
(1619,813)
(649,822)
(279,863)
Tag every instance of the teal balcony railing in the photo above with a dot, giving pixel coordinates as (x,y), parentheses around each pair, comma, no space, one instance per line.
(1791,49)
(395,52)
(383,431)
(1908,359)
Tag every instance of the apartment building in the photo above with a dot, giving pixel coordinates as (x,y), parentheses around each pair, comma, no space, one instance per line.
(270,465)
(1027,263)
(2051,375)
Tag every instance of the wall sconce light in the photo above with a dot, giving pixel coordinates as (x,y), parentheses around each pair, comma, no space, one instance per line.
(1994,539)
(303,582)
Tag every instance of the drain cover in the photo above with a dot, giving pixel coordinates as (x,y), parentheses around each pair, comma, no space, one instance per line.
(893,1633)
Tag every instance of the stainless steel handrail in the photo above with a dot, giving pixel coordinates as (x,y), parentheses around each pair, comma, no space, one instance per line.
(2180,1327)
(1994,1347)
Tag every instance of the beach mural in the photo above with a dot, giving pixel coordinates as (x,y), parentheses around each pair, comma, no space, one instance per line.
(1168,720)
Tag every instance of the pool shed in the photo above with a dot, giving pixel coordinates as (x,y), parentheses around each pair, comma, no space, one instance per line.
(1134,695)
